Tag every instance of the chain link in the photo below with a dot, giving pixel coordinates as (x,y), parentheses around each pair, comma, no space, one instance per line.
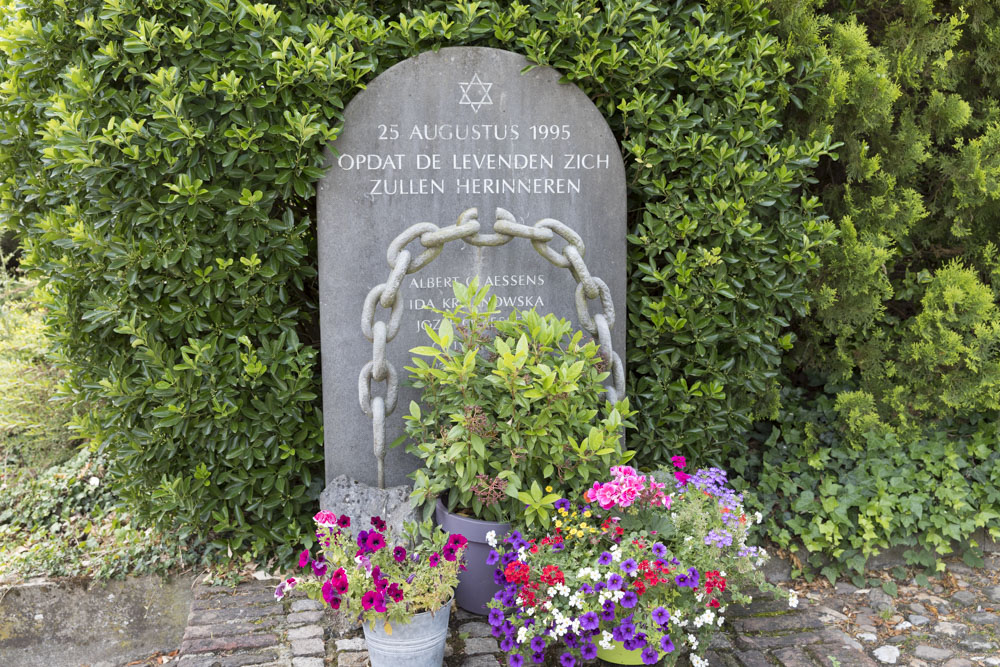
(466,229)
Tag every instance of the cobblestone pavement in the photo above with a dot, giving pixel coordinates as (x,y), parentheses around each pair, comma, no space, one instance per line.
(952,622)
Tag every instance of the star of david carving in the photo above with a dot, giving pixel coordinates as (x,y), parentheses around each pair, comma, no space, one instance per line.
(475,93)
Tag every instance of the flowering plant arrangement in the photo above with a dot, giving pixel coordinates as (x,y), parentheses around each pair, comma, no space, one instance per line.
(636,563)
(373,576)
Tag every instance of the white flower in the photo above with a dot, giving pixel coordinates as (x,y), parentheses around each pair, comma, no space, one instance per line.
(722,574)
(693,641)
(522,634)
(758,517)
(793,599)
(491,538)
(604,596)
(688,538)
(698,662)
(94,481)
(616,556)
(722,620)
(550,591)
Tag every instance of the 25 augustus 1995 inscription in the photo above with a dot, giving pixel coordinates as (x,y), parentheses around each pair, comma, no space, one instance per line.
(429,138)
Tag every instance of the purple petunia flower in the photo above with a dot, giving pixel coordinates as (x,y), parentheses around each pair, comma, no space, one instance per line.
(589,621)
(666,644)
(650,655)
(588,651)
(515,660)
(587,589)
(495,617)
(629,600)
(507,645)
(604,559)
(562,504)
(629,567)
(615,582)
(661,616)
(537,644)
(659,550)
(538,658)
(493,557)
(567,660)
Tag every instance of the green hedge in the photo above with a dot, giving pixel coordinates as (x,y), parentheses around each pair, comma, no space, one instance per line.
(888,432)
(159,162)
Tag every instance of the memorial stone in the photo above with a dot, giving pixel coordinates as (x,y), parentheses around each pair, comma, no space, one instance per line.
(429,138)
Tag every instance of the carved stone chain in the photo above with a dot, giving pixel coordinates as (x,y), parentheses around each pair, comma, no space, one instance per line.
(433,238)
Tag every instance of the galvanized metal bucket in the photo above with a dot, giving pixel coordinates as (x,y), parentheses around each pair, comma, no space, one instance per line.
(419,643)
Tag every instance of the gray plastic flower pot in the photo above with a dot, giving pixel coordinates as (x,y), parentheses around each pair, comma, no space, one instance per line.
(475,586)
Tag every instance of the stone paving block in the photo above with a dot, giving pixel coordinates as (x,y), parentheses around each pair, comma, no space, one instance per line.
(767,642)
(227,629)
(984,618)
(233,643)
(223,601)
(770,624)
(720,659)
(243,659)
(308,647)
(306,605)
(355,644)
(792,657)
(305,632)
(475,645)
(958,662)
(353,659)
(307,662)
(481,661)
(301,617)
(759,606)
(753,659)
(949,629)
(208,617)
(834,654)
(932,653)
(475,629)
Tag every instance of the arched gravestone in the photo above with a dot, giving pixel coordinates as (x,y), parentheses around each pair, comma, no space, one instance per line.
(429,138)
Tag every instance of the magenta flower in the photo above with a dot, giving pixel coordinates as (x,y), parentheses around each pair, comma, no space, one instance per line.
(378,523)
(678,461)
(304,558)
(399,554)
(449,553)
(368,600)
(344,521)
(434,559)
(374,541)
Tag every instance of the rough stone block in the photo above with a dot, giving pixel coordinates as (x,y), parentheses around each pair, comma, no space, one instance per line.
(211,616)
(305,632)
(233,643)
(932,653)
(353,659)
(753,659)
(475,645)
(355,644)
(792,657)
(481,661)
(308,647)
(361,502)
(306,605)
(307,662)
(301,617)
(475,629)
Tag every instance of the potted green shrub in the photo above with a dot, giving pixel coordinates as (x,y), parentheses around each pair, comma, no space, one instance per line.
(401,592)
(511,418)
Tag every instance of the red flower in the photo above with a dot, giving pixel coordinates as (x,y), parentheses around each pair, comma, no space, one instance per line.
(639,587)
(713,603)
(517,572)
(552,575)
